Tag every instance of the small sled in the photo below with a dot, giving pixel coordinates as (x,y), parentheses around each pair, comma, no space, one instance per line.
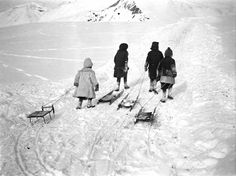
(145,116)
(110,97)
(125,103)
(46,110)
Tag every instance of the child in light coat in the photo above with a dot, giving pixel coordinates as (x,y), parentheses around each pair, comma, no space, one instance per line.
(86,84)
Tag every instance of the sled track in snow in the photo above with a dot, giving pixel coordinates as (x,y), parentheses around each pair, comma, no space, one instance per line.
(18,157)
(38,156)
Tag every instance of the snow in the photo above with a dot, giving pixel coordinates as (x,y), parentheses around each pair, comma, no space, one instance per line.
(108,11)
(21,14)
(194,134)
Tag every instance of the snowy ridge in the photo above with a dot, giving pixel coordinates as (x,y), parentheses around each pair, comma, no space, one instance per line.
(122,10)
(63,10)
(26,13)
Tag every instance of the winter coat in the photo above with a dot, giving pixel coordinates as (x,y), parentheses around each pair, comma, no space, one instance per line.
(167,70)
(153,59)
(121,61)
(85,81)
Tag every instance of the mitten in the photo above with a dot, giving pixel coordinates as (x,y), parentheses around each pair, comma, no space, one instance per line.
(145,67)
(97,87)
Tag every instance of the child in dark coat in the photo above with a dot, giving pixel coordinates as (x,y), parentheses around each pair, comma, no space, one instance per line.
(153,59)
(121,65)
(168,73)
(86,84)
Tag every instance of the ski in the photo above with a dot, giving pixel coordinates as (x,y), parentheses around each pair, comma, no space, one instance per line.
(115,97)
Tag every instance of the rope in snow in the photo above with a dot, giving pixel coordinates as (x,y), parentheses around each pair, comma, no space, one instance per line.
(140,88)
(142,106)
(54,101)
(140,78)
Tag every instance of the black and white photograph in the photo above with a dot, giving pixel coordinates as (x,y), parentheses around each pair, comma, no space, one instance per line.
(117,88)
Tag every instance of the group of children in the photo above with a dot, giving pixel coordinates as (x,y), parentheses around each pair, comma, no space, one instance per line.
(160,68)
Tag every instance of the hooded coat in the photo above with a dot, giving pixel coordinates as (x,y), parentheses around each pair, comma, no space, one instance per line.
(153,59)
(121,60)
(168,68)
(85,81)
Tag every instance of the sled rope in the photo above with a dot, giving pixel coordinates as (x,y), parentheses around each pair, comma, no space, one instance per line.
(142,80)
(142,106)
(54,101)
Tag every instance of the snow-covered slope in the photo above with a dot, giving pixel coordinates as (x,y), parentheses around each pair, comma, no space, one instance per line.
(194,134)
(26,13)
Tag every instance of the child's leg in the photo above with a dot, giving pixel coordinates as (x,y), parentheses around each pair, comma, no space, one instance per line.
(125,82)
(89,105)
(79,106)
(154,84)
(118,84)
(151,85)
(170,92)
(164,86)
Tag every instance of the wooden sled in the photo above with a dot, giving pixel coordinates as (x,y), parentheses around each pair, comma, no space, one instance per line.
(125,103)
(46,110)
(110,97)
(145,116)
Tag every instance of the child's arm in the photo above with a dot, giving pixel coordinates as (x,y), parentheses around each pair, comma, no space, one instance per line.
(94,79)
(146,65)
(76,81)
(173,68)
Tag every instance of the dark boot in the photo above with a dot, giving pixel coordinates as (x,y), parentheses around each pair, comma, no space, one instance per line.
(163,99)
(118,86)
(126,86)
(79,106)
(151,86)
(90,105)
(170,94)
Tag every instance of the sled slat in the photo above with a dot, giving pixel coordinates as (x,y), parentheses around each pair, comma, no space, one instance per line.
(42,113)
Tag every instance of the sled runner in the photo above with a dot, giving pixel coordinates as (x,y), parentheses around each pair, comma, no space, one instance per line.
(46,110)
(155,91)
(126,103)
(110,97)
(145,116)
(135,102)
(123,101)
